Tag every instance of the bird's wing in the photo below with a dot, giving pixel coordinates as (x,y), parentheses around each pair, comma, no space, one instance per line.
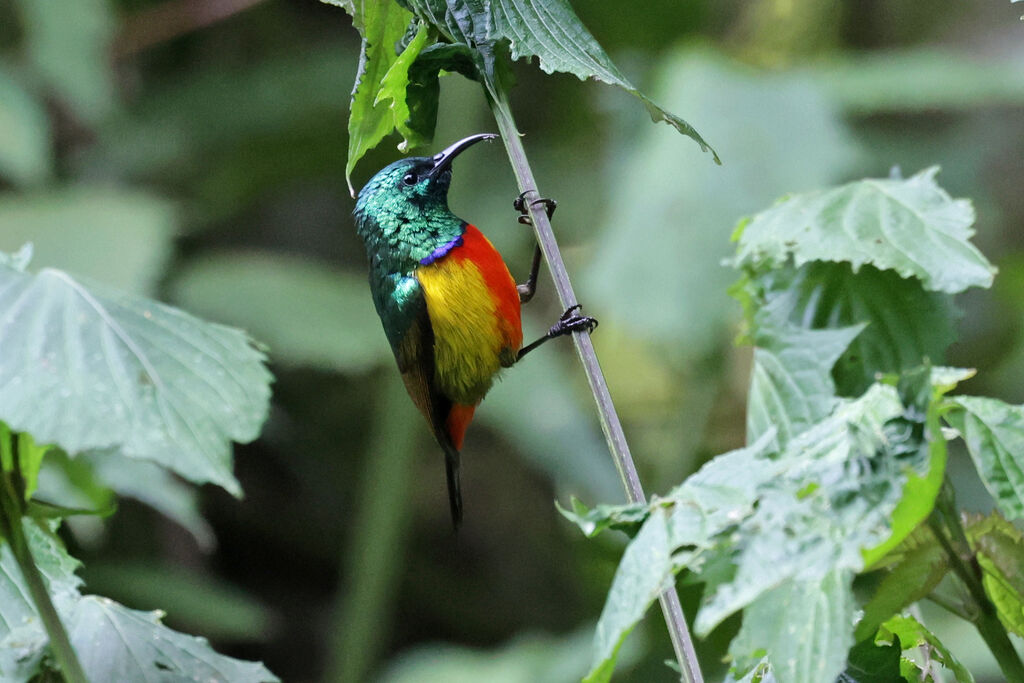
(403,311)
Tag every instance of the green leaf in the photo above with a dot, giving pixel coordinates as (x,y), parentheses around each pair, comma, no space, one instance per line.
(69,44)
(791,385)
(551,31)
(906,326)
(423,89)
(381,25)
(626,518)
(112,642)
(394,87)
(86,368)
(644,572)
(308,314)
(822,509)
(911,579)
(994,434)
(912,634)
(910,226)
(22,638)
(25,155)
(873,663)
(999,547)
(78,229)
(923,483)
(547,29)
(803,625)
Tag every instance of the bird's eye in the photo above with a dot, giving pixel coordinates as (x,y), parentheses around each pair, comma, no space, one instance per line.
(410,178)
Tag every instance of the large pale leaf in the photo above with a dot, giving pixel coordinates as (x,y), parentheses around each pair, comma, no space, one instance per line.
(120,237)
(113,642)
(68,44)
(810,644)
(911,226)
(24,134)
(89,369)
(307,313)
(994,434)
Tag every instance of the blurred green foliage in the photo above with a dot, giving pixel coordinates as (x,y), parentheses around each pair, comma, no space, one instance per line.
(207,167)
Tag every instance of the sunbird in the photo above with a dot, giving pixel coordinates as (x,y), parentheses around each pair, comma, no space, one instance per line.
(449,305)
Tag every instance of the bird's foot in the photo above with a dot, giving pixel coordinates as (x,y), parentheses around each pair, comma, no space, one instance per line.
(519,204)
(571,321)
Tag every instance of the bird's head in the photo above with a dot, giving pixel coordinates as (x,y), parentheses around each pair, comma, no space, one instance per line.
(409,190)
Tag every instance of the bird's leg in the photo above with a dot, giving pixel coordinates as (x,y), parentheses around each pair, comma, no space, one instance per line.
(527,289)
(569,322)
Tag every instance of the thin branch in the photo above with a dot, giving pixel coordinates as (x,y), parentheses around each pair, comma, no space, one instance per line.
(610,425)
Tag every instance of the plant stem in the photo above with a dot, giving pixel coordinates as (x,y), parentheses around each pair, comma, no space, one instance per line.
(965,565)
(11,508)
(372,559)
(610,425)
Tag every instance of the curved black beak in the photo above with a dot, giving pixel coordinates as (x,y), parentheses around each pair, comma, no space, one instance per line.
(443,161)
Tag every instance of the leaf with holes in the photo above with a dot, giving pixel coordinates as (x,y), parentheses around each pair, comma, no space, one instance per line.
(85,368)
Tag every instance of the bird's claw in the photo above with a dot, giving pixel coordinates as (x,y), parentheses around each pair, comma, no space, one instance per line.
(571,321)
(519,204)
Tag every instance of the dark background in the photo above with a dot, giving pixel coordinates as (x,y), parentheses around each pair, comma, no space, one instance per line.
(196,153)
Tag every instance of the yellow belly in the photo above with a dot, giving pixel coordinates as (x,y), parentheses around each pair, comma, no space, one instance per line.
(469,345)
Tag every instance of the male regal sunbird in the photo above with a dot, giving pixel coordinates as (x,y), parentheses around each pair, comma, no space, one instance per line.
(449,306)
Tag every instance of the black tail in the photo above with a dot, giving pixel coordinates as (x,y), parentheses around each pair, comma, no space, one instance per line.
(451,462)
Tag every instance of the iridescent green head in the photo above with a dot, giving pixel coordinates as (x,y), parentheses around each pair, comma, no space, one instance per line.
(402,212)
